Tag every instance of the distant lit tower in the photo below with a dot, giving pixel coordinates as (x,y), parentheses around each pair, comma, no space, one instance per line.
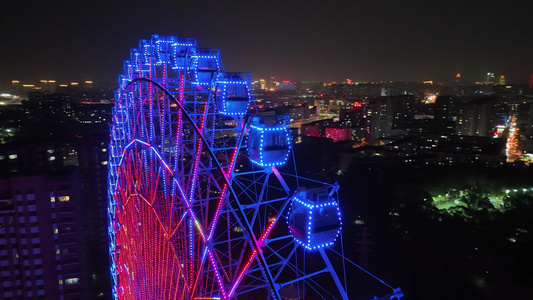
(490,77)
(458,78)
(262,84)
(502,80)
(272,84)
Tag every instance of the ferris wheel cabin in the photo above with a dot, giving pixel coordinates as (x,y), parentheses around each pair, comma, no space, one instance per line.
(205,66)
(159,50)
(233,94)
(269,140)
(314,218)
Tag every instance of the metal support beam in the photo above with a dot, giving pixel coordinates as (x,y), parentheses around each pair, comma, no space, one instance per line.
(303,278)
(331,270)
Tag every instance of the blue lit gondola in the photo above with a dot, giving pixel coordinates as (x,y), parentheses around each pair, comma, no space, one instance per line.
(205,66)
(180,50)
(269,140)
(171,49)
(233,93)
(314,218)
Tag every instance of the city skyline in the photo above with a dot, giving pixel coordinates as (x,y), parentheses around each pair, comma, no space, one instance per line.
(180,173)
(364,41)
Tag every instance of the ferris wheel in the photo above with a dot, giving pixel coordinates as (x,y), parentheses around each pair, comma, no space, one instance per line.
(197,206)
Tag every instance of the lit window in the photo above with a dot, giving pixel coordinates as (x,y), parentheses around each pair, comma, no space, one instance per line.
(52,199)
(72,280)
(12,156)
(50,151)
(51,158)
(2,157)
(104,163)
(63,198)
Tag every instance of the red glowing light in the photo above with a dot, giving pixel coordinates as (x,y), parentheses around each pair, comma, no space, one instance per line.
(252,257)
(154,217)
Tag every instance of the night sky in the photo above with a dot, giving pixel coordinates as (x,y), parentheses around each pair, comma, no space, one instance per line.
(367,40)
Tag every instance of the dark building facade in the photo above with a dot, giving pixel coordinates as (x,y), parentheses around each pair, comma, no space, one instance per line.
(42,249)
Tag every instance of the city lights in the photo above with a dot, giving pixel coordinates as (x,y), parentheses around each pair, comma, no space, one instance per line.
(154,167)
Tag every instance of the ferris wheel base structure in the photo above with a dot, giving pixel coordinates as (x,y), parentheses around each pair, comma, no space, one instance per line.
(197,206)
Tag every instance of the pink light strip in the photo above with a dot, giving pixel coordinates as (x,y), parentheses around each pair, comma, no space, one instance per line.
(252,257)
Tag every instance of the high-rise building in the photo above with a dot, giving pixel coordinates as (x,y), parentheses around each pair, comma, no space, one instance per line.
(89,156)
(92,159)
(480,117)
(502,80)
(386,114)
(490,77)
(42,253)
(339,134)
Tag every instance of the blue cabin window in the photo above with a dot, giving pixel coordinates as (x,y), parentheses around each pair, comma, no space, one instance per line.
(269,140)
